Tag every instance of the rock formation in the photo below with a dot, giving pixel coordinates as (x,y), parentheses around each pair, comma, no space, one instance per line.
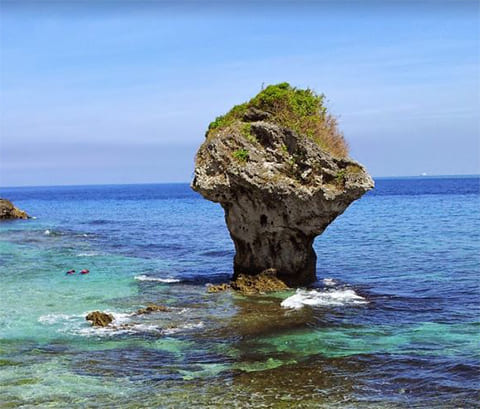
(152,308)
(99,318)
(264,282)
(9,211)
(280,169)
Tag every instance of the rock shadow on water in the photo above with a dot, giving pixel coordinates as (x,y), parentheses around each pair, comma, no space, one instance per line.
(137,363)
(99,222)
(261,315)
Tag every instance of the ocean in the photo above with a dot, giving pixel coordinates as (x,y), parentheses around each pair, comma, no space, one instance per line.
(392,322)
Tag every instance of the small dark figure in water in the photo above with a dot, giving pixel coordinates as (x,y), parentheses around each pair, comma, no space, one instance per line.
(70,272)
(84,271)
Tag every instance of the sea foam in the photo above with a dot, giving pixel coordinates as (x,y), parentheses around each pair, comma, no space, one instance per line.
(144,277)
(112,330)
(56,318)
(327,298)
(190,326)
(89,254)
(329,282)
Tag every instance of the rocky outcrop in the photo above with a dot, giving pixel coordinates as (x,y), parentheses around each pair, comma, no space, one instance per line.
(279,189)
(152,308)
(9,211)
(218,288)
(265,282)
(99,318)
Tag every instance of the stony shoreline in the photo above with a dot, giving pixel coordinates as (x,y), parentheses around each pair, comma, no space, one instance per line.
(9,211)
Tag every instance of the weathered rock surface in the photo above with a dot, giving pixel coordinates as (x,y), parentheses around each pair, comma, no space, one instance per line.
(9,211)
(279,191)
(152,308)
(218,288)
(99,318)
(266,281)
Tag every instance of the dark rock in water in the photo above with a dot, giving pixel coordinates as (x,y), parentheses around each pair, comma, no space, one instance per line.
(152,308)
(279,188)
(266,281)
(9,211)
(99,319)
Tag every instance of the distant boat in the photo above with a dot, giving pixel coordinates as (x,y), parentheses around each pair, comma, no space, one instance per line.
(424,174)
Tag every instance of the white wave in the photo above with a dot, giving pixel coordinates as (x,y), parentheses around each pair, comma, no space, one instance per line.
(174,330)
(55,318)
(326,298)
(329,282)
(77,325)
(144,277)
(88,254)
(119,318)
(47,232)
(112,330)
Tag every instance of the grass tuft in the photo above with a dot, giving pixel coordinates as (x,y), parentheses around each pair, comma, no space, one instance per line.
(241,155)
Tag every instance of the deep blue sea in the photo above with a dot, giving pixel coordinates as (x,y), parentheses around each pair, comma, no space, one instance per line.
(392,322)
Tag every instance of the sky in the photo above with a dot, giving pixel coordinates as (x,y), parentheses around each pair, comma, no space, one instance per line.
(122,91)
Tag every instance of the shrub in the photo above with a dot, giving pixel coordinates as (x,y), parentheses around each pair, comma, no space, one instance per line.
(299,109)
(241,155)
(225,120)
(340,177)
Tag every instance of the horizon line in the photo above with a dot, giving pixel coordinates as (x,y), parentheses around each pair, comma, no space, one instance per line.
(458,175)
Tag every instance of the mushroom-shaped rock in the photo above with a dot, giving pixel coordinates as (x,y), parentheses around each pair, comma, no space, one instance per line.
(9,211)
(280,169)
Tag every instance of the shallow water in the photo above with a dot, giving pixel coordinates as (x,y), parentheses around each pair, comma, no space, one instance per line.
(391,323)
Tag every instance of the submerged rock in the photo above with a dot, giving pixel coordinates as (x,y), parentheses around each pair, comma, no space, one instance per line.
(217,288)
(280,186)
(152,308)
(99,318)
(9,211)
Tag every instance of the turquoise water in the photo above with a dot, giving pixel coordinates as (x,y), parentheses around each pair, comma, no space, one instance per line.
(391,323)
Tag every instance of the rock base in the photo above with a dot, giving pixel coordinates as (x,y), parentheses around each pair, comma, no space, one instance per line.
(265,282)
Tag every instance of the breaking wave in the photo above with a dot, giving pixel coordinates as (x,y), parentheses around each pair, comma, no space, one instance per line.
(144,277)
(89,254)
(329,282)
(326,298)
(55,318)
(123,323)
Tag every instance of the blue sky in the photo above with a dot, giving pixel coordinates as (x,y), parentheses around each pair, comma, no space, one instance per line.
(122,92)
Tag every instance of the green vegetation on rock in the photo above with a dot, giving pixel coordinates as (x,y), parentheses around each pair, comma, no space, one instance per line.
(247,132)
(241,155)
(340,177)
(302,110)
